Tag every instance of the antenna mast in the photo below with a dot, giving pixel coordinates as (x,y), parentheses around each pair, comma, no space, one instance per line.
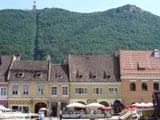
(34,6)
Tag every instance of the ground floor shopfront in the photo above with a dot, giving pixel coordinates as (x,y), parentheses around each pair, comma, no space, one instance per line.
(4,102)
(33,106)
(55,106)
(117,104)
(27,105)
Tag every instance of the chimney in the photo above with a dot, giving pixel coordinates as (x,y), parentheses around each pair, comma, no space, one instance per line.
(65,61)
(156,53)
(48,57)
(116,54)
(18,57)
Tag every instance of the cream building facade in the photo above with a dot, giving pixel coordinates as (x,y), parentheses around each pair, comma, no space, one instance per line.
(95,79)
(28,85)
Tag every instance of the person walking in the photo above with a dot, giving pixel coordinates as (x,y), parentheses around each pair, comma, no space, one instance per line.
(105,114)
(61,115)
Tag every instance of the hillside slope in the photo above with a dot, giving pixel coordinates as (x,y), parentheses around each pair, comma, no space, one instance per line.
(17,32)
(60,32)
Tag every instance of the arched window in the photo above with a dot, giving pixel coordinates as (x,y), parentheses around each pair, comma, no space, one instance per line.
(132,87)
(144,87)
(156,86)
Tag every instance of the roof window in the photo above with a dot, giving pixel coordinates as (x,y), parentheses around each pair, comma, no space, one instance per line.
(92,75)
(156,53)
(79,75)
(58,75)
(141,65)
(105,76)
(20,74)
(38,74)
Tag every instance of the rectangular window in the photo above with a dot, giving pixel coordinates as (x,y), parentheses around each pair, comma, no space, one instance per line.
(25,89)
(97,91)
(54,90)
(113,91)
(15,90)
(81,91)
(40,89)
(64,90)
(3,91)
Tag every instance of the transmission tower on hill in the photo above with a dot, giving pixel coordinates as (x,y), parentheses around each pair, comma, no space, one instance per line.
(34,6)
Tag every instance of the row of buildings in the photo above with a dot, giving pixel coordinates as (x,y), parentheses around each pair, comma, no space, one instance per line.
(128,77)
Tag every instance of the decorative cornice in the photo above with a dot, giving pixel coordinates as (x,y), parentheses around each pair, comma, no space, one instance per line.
(139,77)
(107,83)
(31,98)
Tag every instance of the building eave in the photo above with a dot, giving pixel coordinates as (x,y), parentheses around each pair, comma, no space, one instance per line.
(139,77)
(95,83)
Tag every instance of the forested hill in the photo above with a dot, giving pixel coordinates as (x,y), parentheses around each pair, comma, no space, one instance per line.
(59,32)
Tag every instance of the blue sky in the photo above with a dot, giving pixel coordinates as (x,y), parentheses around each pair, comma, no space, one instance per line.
(84,6)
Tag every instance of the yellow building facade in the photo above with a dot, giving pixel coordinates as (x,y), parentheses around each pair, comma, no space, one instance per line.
(28,87)
(106,93)
(31,102)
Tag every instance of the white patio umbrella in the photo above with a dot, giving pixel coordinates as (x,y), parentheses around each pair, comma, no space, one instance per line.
(150,104)
(43,109)
(2,107)
(75,105)
(106,108)
(94,105)
(142,105)
(135,105)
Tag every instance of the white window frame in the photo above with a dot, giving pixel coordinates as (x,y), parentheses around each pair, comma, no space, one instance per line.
(81,91)
(97,91)
(15,90)
(65,90)
(54,90)
(25,89)
(113,90)
(3,91)
(40,89)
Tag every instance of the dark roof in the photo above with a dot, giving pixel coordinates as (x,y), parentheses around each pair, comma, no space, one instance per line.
(98,68)
(59,73)
(29,71)
(30,65)
(5,62)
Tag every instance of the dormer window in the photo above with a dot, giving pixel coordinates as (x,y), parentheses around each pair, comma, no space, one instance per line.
(142,69)
(105,76)
(58,75)
(141,65)
(38,74)
(20,74)
(92,75)
(79,75)
(108,76)
(156,53)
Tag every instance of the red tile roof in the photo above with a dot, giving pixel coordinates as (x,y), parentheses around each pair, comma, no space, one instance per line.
(139,63)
